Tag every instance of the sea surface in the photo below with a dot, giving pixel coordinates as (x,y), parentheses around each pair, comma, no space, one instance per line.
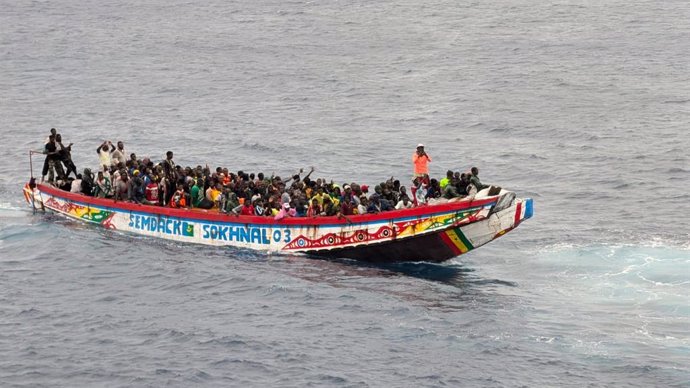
(582,105)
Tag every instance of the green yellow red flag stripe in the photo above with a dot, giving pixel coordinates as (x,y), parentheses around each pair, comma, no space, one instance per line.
(457,241)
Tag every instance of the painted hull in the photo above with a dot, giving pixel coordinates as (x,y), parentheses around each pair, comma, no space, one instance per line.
(429,233)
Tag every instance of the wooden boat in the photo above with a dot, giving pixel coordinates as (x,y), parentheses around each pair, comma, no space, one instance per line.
(433,233)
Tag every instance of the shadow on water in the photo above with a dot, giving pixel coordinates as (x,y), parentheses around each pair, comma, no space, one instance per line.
(449,273)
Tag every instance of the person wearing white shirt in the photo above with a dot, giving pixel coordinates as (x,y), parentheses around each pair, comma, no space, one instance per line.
(404,203)
(118,154)
(76,185)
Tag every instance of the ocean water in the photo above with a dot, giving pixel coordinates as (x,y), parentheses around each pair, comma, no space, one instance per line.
(583,106)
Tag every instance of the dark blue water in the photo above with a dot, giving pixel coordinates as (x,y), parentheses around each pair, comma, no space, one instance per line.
(585,107)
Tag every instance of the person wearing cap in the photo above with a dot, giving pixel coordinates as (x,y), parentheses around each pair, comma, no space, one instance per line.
(285,211)
(421,160)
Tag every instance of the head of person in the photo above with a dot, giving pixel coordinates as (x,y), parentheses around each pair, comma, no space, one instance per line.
(449,174)
(120,145)
(53,131)
(420,148)
(133,156)
(51,139)
(405,199)
(475,171)
(79,176)
(169,155)
(58,138)
(105,147)
(100,175)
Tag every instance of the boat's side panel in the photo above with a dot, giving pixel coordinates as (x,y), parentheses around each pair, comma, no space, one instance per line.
(465,238)
(443,245)
(265,237)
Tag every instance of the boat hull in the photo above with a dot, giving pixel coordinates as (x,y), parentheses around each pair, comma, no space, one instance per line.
(430,233)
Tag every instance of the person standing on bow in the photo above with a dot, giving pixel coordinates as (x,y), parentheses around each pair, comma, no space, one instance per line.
(421,160)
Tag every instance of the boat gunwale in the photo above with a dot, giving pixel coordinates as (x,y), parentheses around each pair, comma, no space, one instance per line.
(205,215)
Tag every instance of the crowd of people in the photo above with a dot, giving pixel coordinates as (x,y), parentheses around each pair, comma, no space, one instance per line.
(124,177)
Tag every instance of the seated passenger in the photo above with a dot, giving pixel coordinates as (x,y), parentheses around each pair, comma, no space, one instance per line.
(474,179)
(87,183)
(461,186)
(247,209)
(259,209)
(386,205)
(213,194)
(314,209)
(120,187)
(301,206)
(445,181)
(450,192)
(152,191)
(197,198)
(347,205)
(363,204)
(329,208)
(285,211)
(103,185)
(179,199)
(434,189)
(136,190)
(404,203)
(76,185)
(375,204)
(229,203)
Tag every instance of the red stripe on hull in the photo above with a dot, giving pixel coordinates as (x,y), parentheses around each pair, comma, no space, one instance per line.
(518,212)
(214,215)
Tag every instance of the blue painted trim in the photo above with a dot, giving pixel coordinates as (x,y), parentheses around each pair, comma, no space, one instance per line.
(529,209)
